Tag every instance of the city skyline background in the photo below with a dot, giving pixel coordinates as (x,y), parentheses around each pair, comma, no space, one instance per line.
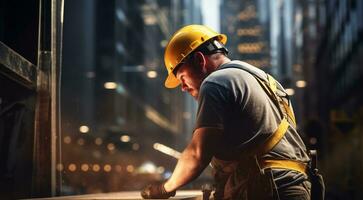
(84,108)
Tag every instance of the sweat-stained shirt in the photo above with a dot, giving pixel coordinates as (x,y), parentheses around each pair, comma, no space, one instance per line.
(232,100)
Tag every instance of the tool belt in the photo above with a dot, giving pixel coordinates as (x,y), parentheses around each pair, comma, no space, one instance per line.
(224,169)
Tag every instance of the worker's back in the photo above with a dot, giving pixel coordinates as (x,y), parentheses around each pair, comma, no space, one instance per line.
(232,99)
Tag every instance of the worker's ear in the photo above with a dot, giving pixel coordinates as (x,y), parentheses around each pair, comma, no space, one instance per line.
(200,60)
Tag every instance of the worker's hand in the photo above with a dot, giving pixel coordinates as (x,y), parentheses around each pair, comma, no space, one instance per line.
(156,191)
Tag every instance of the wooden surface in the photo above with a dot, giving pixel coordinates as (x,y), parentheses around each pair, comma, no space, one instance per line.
(184,194)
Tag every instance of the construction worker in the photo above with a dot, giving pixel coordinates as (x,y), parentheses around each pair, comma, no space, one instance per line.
(245,125)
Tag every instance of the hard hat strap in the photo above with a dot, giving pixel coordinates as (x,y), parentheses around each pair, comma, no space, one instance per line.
(209,47)
(212,46)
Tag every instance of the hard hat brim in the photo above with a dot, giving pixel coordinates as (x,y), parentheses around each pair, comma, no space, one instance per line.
(171,81)
(222,38)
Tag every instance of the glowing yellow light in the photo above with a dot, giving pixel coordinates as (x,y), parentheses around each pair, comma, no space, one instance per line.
(84,167)
(125,138)
(163,43)
(150,19)
(98,141)
(301,84)
(187,115)
(60,167)
(258,63)
(255,31)
(147,167)
(96,167)
(167,150)
(107,168)
(67,140)
(313,140)
(83,129)
(80,141)
(110,85)
(118,168)
(254,47)
(152,74)
(159,119)
(248,13)
(111,146)
(160,170)
(135,147)
(290,91)
(72,167)
(130,168)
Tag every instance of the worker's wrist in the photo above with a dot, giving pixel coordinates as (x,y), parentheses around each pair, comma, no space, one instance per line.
(168,186)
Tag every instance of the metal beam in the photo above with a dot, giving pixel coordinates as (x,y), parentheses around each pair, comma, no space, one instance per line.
(16,67)
(46,180)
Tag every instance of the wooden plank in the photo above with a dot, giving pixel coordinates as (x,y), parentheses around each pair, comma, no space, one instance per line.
(132,195)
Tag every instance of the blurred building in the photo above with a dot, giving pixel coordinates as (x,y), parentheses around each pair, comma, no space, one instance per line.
(114,103)
(268,35)
(245,23)
(314,48)
(334,105)
(286,45)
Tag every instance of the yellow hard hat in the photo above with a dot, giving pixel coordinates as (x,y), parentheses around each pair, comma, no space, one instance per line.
(182,43)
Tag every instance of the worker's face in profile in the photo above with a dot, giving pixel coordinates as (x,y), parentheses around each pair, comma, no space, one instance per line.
(191,76)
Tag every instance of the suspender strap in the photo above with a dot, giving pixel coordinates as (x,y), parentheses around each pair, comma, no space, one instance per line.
(274,138)
(272,83)
(284,164)
(270,88)
(269,85)
(289,112)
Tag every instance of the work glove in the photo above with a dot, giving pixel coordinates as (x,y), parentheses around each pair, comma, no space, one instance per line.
(156,191)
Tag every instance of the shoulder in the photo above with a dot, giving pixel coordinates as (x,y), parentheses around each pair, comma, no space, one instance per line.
(229,78)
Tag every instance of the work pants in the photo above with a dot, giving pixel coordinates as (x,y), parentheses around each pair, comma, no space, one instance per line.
(234,182)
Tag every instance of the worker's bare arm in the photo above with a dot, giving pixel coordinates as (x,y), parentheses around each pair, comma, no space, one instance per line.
(195,157)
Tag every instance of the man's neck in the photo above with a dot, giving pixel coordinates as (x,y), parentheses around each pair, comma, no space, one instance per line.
(225,60)
(216,60)
(220,61)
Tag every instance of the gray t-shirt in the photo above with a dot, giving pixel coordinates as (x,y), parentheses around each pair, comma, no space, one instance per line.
(232,100)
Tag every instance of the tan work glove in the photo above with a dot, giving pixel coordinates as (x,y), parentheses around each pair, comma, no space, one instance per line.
(156,191)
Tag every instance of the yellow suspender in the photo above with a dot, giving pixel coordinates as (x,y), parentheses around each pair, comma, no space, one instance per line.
(275,138)
(271,88)
(289,112)
(284,164)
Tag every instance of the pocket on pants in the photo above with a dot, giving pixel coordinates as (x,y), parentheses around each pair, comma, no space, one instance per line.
(296,192)
(261,186)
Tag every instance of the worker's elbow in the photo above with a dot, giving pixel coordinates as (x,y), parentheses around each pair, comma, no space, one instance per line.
(200,158)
